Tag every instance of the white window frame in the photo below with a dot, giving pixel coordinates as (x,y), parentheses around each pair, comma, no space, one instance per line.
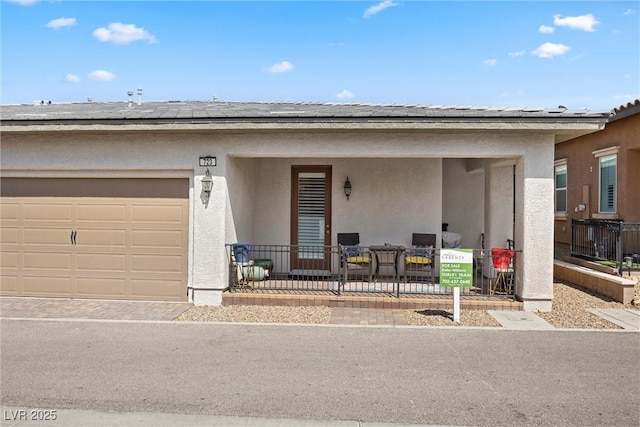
(602,155)
(560,165)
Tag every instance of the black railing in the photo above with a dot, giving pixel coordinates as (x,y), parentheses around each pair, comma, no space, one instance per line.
(373,269)
(607,240)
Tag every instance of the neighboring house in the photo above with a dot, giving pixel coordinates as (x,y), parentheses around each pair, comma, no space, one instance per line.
(598,175)
(105,200)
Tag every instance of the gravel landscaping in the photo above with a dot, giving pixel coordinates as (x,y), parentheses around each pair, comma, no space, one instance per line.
(570,306)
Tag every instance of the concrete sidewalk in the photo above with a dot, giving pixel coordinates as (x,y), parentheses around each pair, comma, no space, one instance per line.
(522,320)
(626,319)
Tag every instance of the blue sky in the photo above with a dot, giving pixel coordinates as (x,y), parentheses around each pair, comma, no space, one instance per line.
(581,54)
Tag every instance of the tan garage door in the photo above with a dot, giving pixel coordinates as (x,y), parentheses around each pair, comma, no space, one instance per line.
(95,238)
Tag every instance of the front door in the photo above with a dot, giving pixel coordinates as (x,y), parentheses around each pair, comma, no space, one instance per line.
(311,218)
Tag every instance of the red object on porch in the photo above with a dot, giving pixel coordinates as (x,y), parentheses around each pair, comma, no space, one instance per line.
(501,257)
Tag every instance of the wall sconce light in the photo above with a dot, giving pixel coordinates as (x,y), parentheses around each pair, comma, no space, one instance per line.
(207,183)
(347,188)
(580,207)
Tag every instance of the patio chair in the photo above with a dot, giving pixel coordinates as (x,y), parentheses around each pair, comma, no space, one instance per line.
(352,256)
(421,257)
(245,267)
(502,260)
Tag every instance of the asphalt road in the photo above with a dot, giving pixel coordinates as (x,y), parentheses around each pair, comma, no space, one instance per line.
(404,375)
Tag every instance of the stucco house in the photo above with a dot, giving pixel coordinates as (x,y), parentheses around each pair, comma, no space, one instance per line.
(106,200)
(598,176)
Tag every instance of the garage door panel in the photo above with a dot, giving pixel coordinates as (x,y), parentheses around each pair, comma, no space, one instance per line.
(131,233)
(48,212)
(157,238)
(157,213)
(46,286)
(93,287)
(47,236)
(112,238)
(156,263)
(9,283)
(10,211)
(94,212)
(169,290)
(9,260)
(43,260)
(101,262)
(9,235)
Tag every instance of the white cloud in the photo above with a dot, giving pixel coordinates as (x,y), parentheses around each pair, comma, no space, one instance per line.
(583,22)
(61,23)
(630,12)
(517,53)
(72,78)
(549,50)
(281,67)
(24,2)
(490,62)
(378,8)
(345,94)
(120,33)
(101,75)
(546,29)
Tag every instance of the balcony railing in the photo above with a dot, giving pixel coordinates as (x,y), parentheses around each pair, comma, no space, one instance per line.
(617,242)
(308,269)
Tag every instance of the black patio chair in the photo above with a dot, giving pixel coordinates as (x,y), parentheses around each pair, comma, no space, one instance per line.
(353,257)
(421,257)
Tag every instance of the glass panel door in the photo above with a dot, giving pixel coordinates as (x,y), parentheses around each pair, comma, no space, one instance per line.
(311,217)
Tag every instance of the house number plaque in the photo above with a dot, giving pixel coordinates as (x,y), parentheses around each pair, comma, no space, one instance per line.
(207,161)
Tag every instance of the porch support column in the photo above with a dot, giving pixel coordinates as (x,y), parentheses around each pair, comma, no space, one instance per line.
(210,264)
(534,225)
(498,208)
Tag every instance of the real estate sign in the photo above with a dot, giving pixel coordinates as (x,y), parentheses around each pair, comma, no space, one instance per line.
(456,268)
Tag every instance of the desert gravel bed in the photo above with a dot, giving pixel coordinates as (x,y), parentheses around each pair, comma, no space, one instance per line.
(569,311)
(570,304)
(257,313)
(445,318)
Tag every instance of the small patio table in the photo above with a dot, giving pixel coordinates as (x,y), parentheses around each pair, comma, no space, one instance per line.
(395,252)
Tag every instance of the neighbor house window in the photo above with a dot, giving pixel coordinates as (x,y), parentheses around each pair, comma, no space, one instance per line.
(607,186)
(561,187)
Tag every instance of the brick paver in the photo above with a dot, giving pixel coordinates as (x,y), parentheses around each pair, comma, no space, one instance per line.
(367,316)
(59,308)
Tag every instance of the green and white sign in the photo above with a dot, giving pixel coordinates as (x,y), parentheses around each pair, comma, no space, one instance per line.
(456,268)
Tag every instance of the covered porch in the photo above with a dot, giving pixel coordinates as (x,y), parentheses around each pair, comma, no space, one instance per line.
(391,198)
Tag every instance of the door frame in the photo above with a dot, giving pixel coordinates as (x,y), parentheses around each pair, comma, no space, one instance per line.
(316,264)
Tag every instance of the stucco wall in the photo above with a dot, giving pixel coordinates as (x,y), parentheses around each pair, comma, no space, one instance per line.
(463,203)
(583,174)
(391,198)
(397,182)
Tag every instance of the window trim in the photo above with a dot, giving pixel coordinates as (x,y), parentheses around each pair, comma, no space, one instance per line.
(606,151)
(603,155)
(558,164)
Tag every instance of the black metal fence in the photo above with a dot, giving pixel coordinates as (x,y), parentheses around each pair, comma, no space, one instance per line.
(394,271)
(607,240)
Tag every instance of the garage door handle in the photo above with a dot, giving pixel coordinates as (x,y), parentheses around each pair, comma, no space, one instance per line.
(73,237)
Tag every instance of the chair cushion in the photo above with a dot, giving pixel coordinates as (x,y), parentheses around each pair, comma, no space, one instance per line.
(358,259)
(423,251)
(418,260)
(352,250)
